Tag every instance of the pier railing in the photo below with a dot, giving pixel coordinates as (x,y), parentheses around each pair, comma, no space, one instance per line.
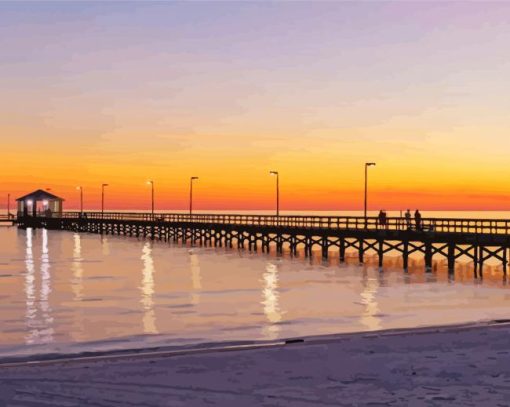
(441,225)
(7,218)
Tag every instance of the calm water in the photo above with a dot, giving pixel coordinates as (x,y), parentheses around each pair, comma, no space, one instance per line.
(61,291)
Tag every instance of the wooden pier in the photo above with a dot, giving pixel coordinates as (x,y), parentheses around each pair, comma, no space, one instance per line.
(476,240)
(7,220)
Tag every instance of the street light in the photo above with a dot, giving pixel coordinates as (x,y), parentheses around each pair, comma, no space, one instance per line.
(191,195)
(8,206)
(366,189)
(277,191)
(102,198)
(81,198)
(151,182)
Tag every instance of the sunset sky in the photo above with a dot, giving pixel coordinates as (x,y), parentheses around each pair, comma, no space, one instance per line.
(125,92)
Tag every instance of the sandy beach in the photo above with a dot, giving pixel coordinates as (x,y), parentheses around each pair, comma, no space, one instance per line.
(457,365)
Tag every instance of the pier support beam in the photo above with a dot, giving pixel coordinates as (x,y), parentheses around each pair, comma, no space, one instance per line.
(380,253)
(505,261)
(324,247)
(279,244)
(308,247)
(361,250)
(428,256)
(293,245)
(342,249)
(451,258)
(480,261)
(405,255)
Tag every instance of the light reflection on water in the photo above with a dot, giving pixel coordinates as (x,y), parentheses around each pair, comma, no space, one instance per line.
(76,266)
(31,310)
(271,302)
(369,317)
(38,311)
(147,288)
(59,288)
(196,279)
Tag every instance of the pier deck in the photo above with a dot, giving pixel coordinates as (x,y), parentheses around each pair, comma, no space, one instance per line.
(475,239)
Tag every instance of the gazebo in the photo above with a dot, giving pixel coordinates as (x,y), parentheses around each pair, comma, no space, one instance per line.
(39,203)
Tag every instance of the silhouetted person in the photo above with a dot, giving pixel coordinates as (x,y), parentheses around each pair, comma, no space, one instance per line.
(382,218)
(385,219)
(408,219)
(417,219)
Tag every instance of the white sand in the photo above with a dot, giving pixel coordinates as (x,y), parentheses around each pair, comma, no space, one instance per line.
(465,366)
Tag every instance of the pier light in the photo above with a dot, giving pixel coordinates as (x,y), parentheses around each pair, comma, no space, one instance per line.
(81,198)
(191,195)
(277,175)
(366,189)
(151,183)
(102,197)
(8,206)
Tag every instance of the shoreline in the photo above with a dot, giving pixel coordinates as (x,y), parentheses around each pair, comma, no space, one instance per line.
(464,365)
(39,359)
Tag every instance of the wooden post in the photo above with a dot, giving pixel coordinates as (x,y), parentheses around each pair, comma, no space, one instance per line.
(279,244)
(505,262)
(380,253)
(428,257)
(307,246)
(361,250)
(342,249)
(324,247)
(475,261)
(451,258)
(405,254)
(480,261)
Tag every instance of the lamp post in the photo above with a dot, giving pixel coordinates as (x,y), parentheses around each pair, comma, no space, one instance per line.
(81,198)
(8,206)
(191,195)
(102,198)
(366,189)
(275,173)
(151,182)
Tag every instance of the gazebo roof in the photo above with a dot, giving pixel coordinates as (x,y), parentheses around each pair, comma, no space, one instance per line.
(40,195)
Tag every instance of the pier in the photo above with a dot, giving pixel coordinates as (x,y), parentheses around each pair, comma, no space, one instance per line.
(477,240)
(7,219)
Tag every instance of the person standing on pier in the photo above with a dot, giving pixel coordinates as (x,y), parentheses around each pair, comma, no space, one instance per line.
(417,219)
(382,218)
(408,219)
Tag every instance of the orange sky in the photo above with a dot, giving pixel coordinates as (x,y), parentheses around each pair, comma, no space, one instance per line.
(120,94)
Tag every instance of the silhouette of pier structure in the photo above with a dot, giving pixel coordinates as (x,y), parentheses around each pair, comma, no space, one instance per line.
(475,239)
(8,219)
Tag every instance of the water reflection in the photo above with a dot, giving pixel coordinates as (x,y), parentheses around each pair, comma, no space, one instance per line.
(105,246)
(77,269)
(196,278)
(370,318)
(47,329)
(213,295)
(31,310)
(40,329)
(147,289)
(270,300)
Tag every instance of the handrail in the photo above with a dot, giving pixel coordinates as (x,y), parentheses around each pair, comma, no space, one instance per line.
(442,225)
